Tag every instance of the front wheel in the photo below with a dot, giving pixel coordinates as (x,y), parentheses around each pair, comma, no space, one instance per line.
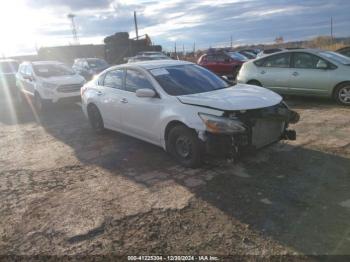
(39,103)
(342,94)
(184,145)
(95,119)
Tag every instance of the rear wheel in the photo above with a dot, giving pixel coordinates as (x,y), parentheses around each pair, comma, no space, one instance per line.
(342,94)
(95,119)
(254,83)
(184,145)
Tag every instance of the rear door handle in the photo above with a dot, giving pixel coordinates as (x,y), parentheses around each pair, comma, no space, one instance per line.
(123,100)
(263,72)
(295,74)
(99,93)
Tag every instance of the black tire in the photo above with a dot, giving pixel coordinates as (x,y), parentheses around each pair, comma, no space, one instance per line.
(184,145)
(254,83)
(40,104)
(95,118)
(340,96)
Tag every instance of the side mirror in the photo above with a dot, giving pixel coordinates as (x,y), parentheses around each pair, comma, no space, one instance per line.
(28,77)
(145,92)
(321,65)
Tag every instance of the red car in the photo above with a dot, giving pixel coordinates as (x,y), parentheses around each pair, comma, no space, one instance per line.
(226,63)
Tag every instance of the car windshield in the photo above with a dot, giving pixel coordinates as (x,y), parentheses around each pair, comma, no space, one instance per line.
(8,67)
(237,56)
(50,70)
(335,57)
(187,79)
(97,63)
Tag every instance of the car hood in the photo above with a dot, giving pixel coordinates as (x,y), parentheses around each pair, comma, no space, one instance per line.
(64,80)
(238,97)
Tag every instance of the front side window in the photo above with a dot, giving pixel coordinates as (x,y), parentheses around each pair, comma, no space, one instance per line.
(114,79)
(28,71)
(280,61)
(187,79)
(307,61)
(136,80)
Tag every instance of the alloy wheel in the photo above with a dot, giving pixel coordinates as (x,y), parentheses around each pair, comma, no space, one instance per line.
(344,95)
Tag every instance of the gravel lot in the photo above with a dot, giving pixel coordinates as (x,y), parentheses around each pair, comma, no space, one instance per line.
(65,190)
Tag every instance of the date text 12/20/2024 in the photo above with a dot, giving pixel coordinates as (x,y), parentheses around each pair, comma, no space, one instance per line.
(173,258)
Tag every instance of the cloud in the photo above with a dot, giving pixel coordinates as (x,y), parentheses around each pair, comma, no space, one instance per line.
(72,4)
(207,22)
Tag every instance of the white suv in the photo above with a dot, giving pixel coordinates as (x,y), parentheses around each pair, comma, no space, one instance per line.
(48,81)
(185,109)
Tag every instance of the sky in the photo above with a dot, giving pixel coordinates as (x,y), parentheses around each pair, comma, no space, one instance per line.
(27,25)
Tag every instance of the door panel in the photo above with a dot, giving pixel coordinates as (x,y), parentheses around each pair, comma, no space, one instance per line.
(141,115)
(109,95)
(305,78)
(274,72)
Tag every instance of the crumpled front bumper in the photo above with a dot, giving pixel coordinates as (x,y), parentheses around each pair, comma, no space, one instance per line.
(263,128)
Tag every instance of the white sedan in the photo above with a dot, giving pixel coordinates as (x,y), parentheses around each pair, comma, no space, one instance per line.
(185,109)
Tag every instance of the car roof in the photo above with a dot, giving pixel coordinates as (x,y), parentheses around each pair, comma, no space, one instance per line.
(46,63)
(152,64)
(306,50)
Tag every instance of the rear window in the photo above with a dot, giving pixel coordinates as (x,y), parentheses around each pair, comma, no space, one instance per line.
(8,67)
(335,57)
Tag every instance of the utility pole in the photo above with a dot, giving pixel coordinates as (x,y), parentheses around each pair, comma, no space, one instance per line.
(183,50)
(231,41)
(74,28)
(332,30)
(194,48)
(136,28)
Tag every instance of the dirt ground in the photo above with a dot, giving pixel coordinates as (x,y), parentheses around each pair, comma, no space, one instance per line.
(66,190)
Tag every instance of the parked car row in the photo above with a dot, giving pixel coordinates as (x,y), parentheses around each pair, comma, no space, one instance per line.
(187,109)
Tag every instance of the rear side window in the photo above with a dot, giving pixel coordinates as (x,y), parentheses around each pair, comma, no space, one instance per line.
(114,79)
(136,80)
(279,61)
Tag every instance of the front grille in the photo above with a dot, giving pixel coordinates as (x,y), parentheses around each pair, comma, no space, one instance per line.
(69,88)
(266,131)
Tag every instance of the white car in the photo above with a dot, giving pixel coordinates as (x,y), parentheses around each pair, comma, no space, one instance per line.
(48,81)
(185,109)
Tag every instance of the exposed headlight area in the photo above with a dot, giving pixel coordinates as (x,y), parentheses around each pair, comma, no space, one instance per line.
(222,125)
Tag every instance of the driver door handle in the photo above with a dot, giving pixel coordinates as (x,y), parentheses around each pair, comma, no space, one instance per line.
(123,100)
(99,93)
(295,74)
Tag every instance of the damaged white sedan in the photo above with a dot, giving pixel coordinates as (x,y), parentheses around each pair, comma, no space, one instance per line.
(186,109)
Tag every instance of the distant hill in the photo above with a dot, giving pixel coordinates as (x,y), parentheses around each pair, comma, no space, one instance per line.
(323,42)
